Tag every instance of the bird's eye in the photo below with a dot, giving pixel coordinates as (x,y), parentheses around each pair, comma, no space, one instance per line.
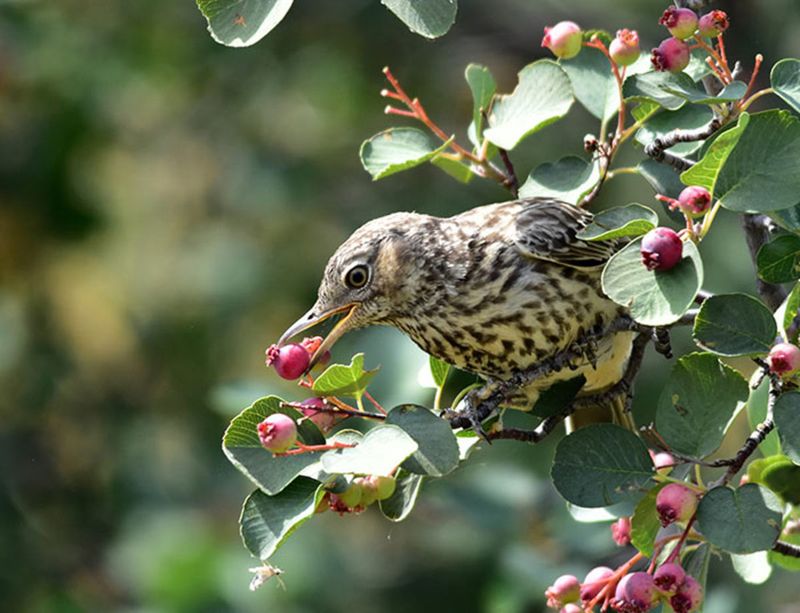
(357,276)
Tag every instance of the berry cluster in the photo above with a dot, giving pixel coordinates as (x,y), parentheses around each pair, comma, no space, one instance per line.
(673,54)
(359,494)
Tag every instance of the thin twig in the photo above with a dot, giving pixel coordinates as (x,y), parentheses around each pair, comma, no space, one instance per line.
(786,549)
(757,233)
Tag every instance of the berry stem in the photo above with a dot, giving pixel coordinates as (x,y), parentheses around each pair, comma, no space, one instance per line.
(763,92)
(756,67)
(374,402)
(676,552)
(721,63)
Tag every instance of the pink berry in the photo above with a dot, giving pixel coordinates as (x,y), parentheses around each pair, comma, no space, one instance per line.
(324,420)
(672,55)
(624,49)
(636,593)
(689,596)
(663,461)
(564,39)
(784,359)
(289,361)
(661,249)
(675,502)
(713,24)
(621,531)
(669,577)
(594,582)
(681,23)
(694,200)
(277,432)
(564,590)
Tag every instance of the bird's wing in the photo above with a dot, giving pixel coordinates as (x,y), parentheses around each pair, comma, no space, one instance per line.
(546,229)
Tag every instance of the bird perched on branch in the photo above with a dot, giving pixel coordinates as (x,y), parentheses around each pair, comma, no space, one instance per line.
(496,290)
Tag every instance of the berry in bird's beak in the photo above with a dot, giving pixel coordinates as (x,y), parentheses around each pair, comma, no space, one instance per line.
(289,361)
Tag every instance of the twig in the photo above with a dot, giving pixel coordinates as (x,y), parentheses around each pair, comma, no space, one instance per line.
(786,549)
(513,181)
(757,233)
(658,148)
(334,410)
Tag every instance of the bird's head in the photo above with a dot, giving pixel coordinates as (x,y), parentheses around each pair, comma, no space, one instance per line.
(367,280)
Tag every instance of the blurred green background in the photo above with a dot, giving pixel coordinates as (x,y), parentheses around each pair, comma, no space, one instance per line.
(166,208)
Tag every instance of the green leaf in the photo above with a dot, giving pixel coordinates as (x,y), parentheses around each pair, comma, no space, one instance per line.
(381,450)
(645,109)
(618,222)
(399,505)
(779,260)
(734,325)
(449,163)
(740,521)
(593,82)
(785,78)
(788,219)
(697,402)
(600,465)
(439,370)
(555,398)
(779,474)
(753,568)
(431,19)
(757,413)
(437,452)
(787,562)
(789,310)
(483,87)
(761,173)
(654,297)
(568,179)
(341,380)
(689,117)
(654,87)
(695,563)
(542,96)
(397,149)
(707,170)
(664,179)
(241,23)
(267,521)
(787,422)
(645,523)
(244,450)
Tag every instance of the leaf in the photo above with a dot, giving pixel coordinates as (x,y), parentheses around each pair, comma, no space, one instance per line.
(341,380)
(688,117)
(779,260)
(439,370)
(437,452)
(431,19)
(399,505)
(654,297)
(600,465)
(744,520)
(697,403)
(757,413)
(618,222)
(483,87)
(753,568)
(661,177)
(397,149)
(241,23)
(542,96)
(695,563)
(244,450)
(267,521)
(449,163)
(779,474)
(645,523)
(568,179)
(788,219)
(645,109)
(381,450)
(734,325)
(652,87)
(593,82)
(790,309)
(761,173)
(785,78)
(706,171)
(787,422)
(555,398)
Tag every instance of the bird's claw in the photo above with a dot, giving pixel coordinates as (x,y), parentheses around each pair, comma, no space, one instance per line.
(471,415)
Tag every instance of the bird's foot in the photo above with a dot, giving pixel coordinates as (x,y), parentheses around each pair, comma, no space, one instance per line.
(478,405)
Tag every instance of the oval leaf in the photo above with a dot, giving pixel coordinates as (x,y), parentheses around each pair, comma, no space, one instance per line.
(645,523)
(439,370)
(629,220)
(568,179)
(381,450)
(397,149)
(785,77)
(430,19)
(399,505)
(593,82)
(241,23)
(437,454)
(483,87)
(735,325)
(787,422)
(779,261)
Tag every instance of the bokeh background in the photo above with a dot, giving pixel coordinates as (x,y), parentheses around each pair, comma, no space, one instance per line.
(166,208)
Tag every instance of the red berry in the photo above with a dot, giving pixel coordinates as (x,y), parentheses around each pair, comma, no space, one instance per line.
(277,432)
(636,593)
(689,596)
(661,249)
(675,502)
(621,531)
(713,24)
(672,55)
(564,590)
(694,200)
(594,582)
(564,39)
(624,49)
(681,23)
(669,577)
(784,359)
(324,420)
(289,361)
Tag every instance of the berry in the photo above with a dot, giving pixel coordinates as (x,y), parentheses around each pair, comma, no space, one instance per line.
(681,23)
(564,39)
(694,200)
(675,502)
(689,596)
(386,487)
(564,590)
(669,577)
(311,344)
(351,497)
(621,531)
(784,359)
(636,593)
(672,55)
(277,432)
(624,49)
(713,24)
(338,506)
(594,582)
(663,461)
(369,489)
(289,361)
(661,249)
(324,420)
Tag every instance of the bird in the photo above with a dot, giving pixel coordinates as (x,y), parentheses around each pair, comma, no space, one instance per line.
(495,290)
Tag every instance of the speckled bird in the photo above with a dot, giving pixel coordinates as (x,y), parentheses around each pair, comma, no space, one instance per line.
(493,291)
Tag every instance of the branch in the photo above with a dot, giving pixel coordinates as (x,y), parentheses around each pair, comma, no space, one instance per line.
(658,148)
(758,233)
(786,549)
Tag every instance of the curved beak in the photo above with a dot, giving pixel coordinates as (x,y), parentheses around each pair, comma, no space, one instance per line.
(311,319)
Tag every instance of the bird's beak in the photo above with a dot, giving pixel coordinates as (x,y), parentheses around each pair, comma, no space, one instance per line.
(311,319)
